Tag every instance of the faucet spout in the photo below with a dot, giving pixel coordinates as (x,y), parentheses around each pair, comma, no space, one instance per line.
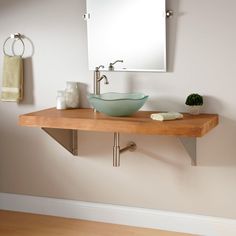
(97,80)
(105,78)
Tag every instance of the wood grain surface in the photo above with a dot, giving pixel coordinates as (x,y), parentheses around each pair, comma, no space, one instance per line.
(139,123)
(24,224)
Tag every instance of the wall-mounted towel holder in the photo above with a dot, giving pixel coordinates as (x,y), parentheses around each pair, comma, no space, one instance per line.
(15,37)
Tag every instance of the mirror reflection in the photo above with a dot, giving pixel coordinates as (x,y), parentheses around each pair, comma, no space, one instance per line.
(127,35)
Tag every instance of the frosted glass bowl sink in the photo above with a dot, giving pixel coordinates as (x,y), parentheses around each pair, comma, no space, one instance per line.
(117,104)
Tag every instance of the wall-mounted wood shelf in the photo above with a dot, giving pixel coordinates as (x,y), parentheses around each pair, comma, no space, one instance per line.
(139,123)
(52,120)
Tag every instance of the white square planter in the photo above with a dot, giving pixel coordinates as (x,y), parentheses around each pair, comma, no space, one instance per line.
(194,110)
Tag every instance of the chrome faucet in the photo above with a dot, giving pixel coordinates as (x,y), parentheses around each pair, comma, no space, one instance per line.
(97,79)
(111,65)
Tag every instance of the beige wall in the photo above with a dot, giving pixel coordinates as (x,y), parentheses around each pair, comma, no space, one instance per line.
(202,56)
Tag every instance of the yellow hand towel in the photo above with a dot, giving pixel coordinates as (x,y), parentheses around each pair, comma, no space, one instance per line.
(12,82)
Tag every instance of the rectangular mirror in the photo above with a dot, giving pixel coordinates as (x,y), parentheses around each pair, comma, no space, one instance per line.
(130,30)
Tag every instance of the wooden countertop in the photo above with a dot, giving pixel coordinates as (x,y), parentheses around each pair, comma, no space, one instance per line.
(139,123)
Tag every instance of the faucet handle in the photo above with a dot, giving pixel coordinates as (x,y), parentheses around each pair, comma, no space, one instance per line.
(98,67)
(111,65)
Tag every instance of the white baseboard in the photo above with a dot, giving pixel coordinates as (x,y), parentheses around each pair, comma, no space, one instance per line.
(140,217)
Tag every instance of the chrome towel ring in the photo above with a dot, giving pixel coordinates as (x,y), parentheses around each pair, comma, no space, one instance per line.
(15,37)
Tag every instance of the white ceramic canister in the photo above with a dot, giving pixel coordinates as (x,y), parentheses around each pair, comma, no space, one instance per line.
(72,94)
(61,100)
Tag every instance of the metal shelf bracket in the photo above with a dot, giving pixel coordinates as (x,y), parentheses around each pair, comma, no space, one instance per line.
(190,144)
(66,137)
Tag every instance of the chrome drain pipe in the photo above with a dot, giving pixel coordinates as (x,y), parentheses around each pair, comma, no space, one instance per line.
(117,151)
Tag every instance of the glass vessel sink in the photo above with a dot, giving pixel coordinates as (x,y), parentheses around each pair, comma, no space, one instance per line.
(118,104)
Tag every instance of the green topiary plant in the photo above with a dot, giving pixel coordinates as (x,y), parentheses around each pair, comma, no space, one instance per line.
(194,99)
